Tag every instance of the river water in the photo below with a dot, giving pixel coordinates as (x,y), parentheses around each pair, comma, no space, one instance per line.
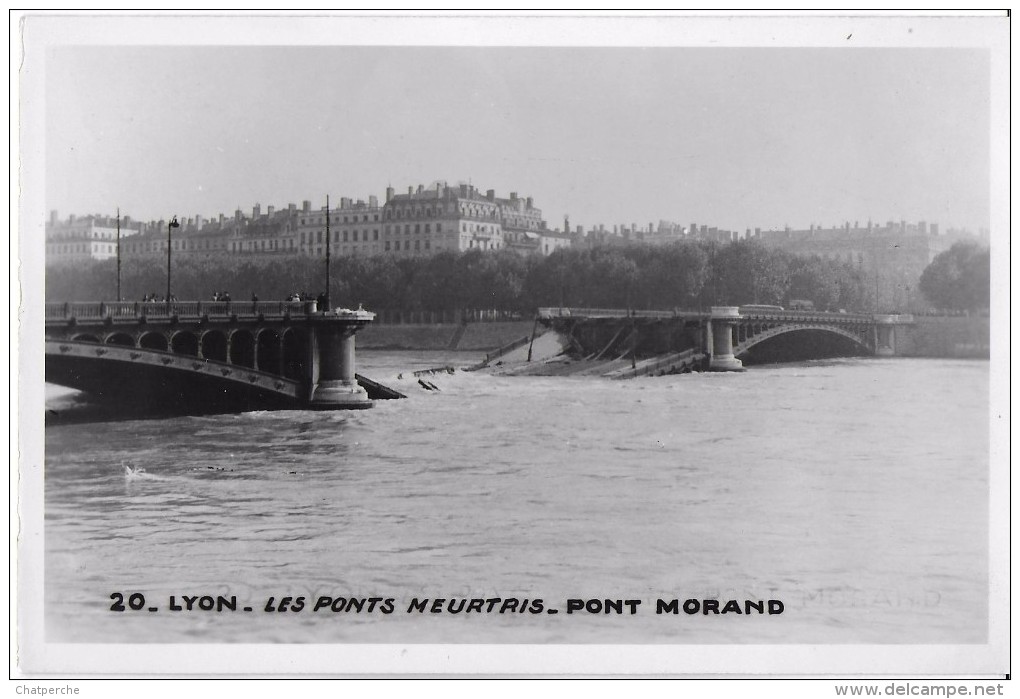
(854,491)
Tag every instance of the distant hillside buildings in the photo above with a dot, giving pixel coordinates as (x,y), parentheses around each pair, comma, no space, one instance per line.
(429,220)
(423,221)
(86,237)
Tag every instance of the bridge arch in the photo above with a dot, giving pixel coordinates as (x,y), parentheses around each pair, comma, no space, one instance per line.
(85,337)
(295,353)
(184,342)
(214,345)
(269,350)
(154,341)
(121,339)
(828,341)
(242,348)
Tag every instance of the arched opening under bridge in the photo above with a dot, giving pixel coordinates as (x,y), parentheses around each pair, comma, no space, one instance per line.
(154,341)
(121,339)
(242,349)
(295,354)
(214,346)
(185,343)
(269,350)
(801,344)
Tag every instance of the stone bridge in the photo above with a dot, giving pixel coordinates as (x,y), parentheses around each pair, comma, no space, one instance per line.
(198,355)
(721,339)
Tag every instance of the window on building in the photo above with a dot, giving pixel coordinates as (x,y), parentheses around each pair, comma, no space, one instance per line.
(375,217)
(407,229)
(439,228)
(427,246)
(427,228)
(387,248)
(345,236)
(417,228)
(364,218)
(407,244)
(375,234)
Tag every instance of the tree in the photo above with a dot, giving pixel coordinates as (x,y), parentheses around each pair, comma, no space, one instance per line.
(958,279)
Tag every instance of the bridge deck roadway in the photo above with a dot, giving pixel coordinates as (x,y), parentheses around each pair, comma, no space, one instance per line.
(212,311)
(755,315)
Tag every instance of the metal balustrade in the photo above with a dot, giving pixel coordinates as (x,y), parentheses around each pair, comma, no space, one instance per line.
(799,316)
(127,310)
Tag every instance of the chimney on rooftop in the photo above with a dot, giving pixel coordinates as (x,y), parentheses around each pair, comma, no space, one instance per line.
(530,202)
(389,194)
(421,188)
(270,210)
(256,211)
(490,194)
(373,201)
(306,206)
(410,190)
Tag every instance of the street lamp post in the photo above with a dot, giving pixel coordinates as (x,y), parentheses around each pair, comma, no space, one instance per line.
(169,227)
(119,298)
(327,256)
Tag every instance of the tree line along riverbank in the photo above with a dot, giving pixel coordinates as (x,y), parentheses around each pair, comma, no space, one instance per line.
(687,275)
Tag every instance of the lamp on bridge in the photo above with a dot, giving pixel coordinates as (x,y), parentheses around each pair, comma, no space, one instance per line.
(169,227)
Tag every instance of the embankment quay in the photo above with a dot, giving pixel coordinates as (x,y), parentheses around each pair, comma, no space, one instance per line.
(198,355)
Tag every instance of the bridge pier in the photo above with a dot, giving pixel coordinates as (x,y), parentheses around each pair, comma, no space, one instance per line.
(885,329)
(720,339)
(333,381)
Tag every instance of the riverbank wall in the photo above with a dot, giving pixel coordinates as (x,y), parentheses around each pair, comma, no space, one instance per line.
(960,337)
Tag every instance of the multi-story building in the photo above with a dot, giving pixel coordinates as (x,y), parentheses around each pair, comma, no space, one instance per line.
(355,228)
(421,222)
(86,238)
(428,220)
(891,257)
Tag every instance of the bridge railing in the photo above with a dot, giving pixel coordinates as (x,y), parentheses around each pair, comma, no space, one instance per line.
(563,312)
(181,309)
(809,316)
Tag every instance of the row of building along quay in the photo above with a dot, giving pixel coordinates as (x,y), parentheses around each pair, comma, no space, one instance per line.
(428,220)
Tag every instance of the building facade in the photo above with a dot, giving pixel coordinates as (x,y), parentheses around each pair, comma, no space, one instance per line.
(88,237)
(891,257)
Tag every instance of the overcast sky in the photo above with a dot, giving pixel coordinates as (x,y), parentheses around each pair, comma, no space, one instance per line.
(729,137)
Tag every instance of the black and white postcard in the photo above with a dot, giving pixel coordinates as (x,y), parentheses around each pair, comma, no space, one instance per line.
(665,345)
